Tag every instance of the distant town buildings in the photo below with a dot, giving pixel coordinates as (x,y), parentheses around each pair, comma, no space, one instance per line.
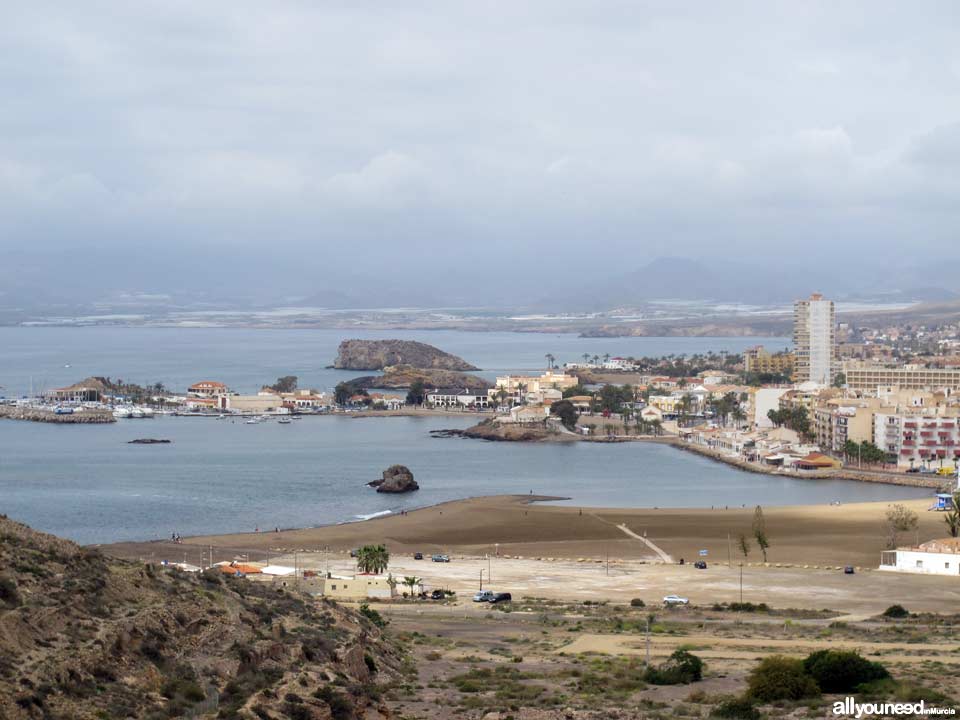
(814,340)
(868,377)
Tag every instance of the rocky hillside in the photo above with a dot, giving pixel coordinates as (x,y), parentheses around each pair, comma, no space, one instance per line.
(84,636)
(379,354)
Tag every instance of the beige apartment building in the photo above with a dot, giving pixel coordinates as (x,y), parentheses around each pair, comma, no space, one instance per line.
(868,377)
(758,360)
(841,419)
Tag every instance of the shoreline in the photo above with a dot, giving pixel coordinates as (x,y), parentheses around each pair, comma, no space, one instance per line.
(527,526)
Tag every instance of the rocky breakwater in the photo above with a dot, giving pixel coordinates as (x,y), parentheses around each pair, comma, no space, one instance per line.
(396,479)
(381,354)
(42,415)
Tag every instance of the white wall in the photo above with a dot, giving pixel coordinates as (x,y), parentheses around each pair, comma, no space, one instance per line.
(764,400)
(931,563)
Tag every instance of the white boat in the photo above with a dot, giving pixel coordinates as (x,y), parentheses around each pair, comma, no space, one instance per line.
(283,421)
(253,421)
(121,412)
(136,413)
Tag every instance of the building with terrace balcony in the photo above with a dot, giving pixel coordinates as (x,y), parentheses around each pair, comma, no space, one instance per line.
(919,440)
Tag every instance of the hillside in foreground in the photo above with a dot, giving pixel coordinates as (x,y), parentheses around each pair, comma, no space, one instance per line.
(86,636)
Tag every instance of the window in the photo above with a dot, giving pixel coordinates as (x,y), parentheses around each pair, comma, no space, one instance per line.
(919,563)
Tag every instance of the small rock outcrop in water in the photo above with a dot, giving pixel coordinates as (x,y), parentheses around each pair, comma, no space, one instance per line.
(149,441)
(396,479)
(379,354)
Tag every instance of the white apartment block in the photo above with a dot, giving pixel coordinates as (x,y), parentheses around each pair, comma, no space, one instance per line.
(814,340)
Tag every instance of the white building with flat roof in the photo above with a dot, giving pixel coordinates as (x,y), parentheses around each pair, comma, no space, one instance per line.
(936,557)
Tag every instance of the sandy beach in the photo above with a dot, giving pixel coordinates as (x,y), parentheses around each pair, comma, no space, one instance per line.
(517,525)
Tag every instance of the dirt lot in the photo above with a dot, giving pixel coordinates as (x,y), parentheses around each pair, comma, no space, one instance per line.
(550,659)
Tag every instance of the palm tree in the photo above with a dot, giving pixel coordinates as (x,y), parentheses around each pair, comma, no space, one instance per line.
(411,582)
(738,415)
(373,559)
(586,357)
(502,394)
(606,357)
(550,361)
(522,391)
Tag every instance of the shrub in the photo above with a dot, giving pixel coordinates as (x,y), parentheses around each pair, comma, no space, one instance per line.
(372,615)
(339,703)
(736,708)
(637,602)
(896,611)
(681,668)
(9,595)
(780,678)
(841,671)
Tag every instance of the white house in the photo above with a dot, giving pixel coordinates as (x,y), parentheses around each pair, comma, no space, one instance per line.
(936,557)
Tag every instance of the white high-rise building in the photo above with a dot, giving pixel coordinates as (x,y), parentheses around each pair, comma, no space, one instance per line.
(814,340)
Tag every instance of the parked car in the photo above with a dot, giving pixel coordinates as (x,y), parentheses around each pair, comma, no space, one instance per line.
(848,570)
(437,595)
(418,556)
(913,470)
(354,552)
(484,596)
(700,564)
(501,597)
(675,600)
(440,558)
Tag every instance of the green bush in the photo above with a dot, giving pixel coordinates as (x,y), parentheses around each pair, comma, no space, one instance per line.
(780,678)
(637,602)
(896,611)
(736,708)
(841,671)
(681,668)
(372,615)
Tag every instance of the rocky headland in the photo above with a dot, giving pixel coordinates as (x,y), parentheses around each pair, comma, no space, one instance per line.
(381,354)
(396,479)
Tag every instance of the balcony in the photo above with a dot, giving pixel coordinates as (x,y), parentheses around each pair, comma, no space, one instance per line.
(911,425)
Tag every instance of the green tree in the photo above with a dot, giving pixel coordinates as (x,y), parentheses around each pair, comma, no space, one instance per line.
(567,413)
(743,545)
(373,559)
(417,393)
(839,380)
(285,384)
(760,531)
(550,361)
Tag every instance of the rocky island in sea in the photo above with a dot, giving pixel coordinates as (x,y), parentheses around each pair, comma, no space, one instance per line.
(381,354)
(396,479)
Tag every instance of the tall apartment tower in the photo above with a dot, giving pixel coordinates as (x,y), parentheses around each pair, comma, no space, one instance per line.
(814,340)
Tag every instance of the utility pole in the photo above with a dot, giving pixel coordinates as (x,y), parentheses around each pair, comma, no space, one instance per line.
(481,578)
(729,559)
(741,583)
(489,573)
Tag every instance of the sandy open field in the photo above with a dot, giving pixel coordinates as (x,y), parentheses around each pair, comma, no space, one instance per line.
(551,551)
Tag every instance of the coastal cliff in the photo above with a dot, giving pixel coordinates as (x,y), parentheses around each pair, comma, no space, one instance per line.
(380,354)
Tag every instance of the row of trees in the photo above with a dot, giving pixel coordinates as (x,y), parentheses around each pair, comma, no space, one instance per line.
(795,418)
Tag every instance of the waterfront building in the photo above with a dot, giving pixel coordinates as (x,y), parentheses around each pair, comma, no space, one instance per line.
(458,397)
(208,388)
(919,439)
(936,557)
(868,377)
(758,360)
(517,387)
(840,419)
(90,390)
(814,340)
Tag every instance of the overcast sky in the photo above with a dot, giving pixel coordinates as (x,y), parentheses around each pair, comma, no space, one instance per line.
(507,137)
